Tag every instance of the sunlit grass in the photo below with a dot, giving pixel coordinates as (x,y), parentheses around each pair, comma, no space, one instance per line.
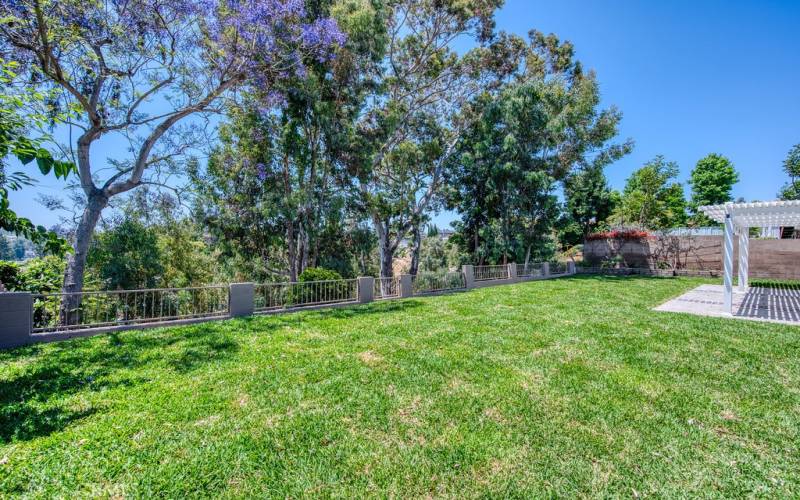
(564,387)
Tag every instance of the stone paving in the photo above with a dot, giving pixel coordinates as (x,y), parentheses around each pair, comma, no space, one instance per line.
(777,305)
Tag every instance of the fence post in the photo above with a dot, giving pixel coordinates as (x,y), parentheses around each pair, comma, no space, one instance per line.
(16,316)
(571,267)
(366,288)
(469,276)
(241,299)
(406,286)
(512,272)
(546,270)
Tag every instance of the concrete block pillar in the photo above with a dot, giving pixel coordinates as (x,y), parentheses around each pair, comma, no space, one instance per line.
(16,319)
(469,276)
(512,272)
(571,267)
(546,269)
(406,285)
(366,289)
(241,299)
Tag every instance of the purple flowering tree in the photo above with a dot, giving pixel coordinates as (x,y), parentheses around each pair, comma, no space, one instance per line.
(139,68)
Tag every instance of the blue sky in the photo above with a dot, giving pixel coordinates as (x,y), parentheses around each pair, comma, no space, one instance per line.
(690,78)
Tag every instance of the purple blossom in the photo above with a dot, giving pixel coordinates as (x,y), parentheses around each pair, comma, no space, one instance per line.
(261,172)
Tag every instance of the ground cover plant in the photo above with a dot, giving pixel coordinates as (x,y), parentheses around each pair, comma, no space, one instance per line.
(562,387)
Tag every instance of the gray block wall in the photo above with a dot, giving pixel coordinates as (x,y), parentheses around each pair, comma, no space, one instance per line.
(241,299)
(16,313)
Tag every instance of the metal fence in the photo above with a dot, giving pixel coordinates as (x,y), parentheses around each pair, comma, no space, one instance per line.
(530,270)
(71,311)
(483,273)
(105,310)
(386,288)
(272,296)
(432,282)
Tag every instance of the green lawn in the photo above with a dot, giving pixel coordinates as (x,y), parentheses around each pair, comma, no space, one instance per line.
(565,387)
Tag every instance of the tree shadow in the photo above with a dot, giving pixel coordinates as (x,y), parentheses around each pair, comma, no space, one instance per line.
(297,316)
(32,402)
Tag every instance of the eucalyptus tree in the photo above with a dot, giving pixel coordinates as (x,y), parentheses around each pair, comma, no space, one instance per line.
(543,126)
(411,125)
(139,68)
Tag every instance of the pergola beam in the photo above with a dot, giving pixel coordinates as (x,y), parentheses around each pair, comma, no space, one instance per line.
(727,262)
(744,258)
(738,218)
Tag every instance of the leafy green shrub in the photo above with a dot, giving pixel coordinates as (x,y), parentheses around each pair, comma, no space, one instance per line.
(43,274)
(318,274)
(431,281)
(333,289)
(10,275)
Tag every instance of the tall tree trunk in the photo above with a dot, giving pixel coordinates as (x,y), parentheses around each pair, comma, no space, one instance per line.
(385,250)
(76,262)
(527,257)
(304,244)
(416,245)
(291,251)
(387,259)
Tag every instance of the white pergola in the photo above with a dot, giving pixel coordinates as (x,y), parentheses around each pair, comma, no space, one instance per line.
(738,218)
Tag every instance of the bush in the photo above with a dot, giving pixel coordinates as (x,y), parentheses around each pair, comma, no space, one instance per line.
(43,274)
(10,275)
(331,291)
(318,274)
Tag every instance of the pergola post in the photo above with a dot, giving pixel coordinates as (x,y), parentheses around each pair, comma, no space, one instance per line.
(744,258)
(727,260)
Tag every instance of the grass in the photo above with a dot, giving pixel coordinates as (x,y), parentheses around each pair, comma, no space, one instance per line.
(569,387)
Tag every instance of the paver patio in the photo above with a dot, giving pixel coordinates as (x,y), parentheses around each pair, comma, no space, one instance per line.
(778,305)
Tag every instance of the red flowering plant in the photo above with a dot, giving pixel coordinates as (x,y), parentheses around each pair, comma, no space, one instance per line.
(620,234)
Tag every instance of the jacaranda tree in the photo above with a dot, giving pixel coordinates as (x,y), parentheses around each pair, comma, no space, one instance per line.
(140,68)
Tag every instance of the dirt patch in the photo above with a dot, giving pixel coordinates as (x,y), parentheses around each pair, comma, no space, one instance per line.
(370,358)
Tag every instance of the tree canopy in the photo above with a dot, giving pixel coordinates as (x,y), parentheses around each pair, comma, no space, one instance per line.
(791,165)
(652,198)
(712,181)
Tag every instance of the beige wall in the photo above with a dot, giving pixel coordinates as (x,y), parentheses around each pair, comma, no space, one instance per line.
(768,258)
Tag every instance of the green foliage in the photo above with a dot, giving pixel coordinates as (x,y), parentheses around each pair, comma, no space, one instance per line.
(712,181)
(43,274)
(331,288)
(10,275)
(791,165)
(652,198)
(589,202)
(38,275)
(437,255)
(127,257)
(318,274)
(543,125)
(186,260)
(14,142)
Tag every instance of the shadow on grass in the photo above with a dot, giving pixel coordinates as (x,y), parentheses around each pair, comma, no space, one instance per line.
(274,320)
(33,402)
